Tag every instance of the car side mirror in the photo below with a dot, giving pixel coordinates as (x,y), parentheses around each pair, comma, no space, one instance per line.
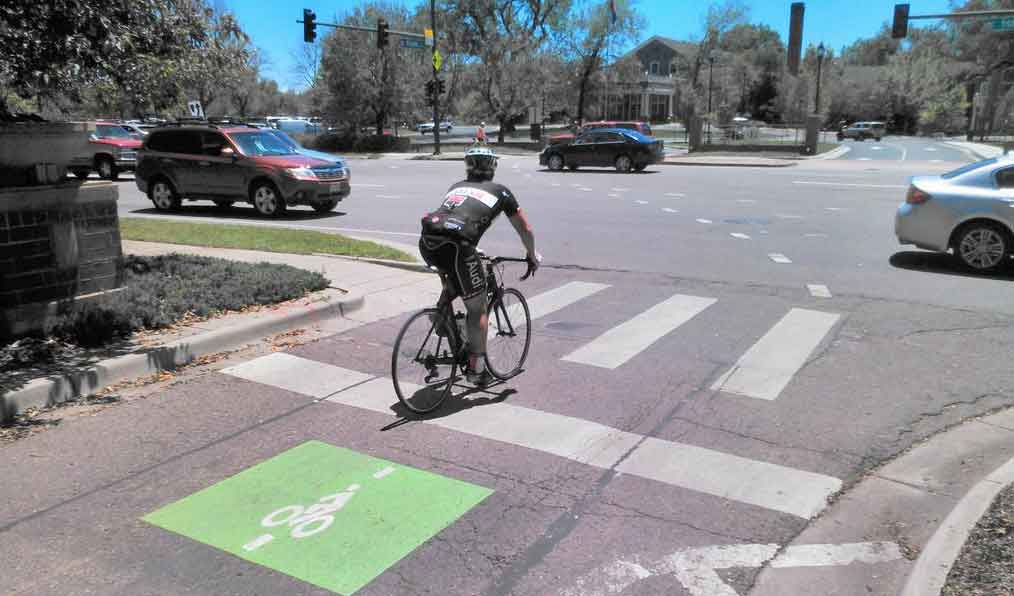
(229,152)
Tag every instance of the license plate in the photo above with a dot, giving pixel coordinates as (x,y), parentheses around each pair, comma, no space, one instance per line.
(336,189)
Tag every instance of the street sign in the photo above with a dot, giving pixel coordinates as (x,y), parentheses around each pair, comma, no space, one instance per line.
(196,110)
(438,60)
(1004,24)
(411,42)
(428,33)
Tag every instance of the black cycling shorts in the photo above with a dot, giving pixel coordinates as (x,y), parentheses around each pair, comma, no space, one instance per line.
(457,259)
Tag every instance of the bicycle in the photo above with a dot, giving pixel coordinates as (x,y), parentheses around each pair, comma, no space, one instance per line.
(418,365)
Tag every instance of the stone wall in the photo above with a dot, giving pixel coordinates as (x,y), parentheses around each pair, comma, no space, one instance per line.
(57,243)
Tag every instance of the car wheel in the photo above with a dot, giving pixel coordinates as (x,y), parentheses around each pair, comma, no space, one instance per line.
(80,174)
(982,246)
(555,162)
(325,206)
(223,204)
(107,168)
(266,200)
(163,196)
(623,164)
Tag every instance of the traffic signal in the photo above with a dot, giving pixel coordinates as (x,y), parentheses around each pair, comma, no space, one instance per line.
(309,25)
(795,36)
(382,33)
(440,87)
(899,29)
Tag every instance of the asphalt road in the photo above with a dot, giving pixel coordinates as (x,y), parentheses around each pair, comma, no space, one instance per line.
(689,386)
(905,149)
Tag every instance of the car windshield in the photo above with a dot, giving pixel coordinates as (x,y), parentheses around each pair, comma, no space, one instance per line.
(970,167)
(285,138)
(640,138)
(261,144)
(106,131)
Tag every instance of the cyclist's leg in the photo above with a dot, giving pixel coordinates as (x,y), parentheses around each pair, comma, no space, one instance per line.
(472,281)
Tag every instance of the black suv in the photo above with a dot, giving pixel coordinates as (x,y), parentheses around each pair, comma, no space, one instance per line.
(235,163)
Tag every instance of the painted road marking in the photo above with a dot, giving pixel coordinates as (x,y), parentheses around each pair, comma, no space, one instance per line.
(577,185)
(865,158)
(585,189)
(818,290)
(621,343)
(815,235)
(395,167)
(779,258)
(555,184)
(739,235)
(668,210)
(931,148)
(936,161)
(388,196)
(301,372)
(321,514)
(704,221)
(768,366)
(614,195)
(619,189)
(642,202)
(553,300)
(746,201)
(849,184)
(771,486)
(833,208)
(364,185)
(877,148)
(788,216)
(385,472)
(695,568)
(675,195)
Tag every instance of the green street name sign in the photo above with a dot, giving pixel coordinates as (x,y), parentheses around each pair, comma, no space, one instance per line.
(326,515)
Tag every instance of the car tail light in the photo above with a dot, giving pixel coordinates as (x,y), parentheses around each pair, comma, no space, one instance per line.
(916,196)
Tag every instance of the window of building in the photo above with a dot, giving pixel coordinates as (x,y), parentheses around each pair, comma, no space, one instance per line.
(653,68)
(672,68)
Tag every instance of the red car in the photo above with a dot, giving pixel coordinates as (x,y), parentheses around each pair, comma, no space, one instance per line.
(111,150)
(641,127)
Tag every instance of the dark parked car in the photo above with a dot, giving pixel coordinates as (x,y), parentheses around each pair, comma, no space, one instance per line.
(235,163)
(622,149)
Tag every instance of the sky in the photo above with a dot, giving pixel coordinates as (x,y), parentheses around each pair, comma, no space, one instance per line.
(837,23)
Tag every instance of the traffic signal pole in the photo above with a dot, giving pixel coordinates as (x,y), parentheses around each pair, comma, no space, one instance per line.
(436,94)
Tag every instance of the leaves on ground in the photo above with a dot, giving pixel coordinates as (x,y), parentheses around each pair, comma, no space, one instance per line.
(986,564)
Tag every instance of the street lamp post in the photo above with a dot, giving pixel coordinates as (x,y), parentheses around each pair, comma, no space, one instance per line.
(820,62)
(711,78)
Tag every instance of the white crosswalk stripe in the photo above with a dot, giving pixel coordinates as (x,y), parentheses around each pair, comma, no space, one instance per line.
(549,302)
(768,366)
(623,342)
(763,484)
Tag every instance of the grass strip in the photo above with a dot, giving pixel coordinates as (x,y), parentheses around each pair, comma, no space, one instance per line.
(302,242)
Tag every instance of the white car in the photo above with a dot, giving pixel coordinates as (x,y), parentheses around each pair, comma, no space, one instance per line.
(968,211)
(427,127)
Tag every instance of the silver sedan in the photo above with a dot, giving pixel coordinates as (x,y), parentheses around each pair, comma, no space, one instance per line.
(969,210)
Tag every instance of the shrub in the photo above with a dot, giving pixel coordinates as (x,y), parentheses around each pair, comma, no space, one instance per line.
(161,291)
(340,142)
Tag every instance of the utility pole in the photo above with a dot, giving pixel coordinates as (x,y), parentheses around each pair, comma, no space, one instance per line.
(711,72)
(436,95)
(820,62)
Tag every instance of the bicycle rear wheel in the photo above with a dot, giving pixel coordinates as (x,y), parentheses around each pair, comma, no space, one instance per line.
(424,362)
(510,325)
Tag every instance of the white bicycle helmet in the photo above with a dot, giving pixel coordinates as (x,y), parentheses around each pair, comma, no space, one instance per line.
(480,162)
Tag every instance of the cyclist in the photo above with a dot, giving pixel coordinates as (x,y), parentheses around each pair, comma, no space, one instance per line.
(449,239)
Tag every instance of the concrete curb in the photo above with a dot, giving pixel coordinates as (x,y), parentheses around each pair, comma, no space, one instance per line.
(50,391)
(417,267)
(976,150)
(929,574)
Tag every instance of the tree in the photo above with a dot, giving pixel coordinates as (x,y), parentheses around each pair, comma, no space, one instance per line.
(61,47)
(216,66)
(503,38)
(591,29)
(363,80)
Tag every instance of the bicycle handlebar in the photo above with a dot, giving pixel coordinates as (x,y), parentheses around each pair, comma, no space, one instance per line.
(496,260)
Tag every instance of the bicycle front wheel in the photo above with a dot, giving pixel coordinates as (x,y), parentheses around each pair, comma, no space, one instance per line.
(424,362)
(510,328)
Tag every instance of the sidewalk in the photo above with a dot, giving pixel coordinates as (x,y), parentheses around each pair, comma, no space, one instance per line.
(922,505)
(360,292)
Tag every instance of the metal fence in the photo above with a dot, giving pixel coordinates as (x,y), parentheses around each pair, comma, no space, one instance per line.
(759,137)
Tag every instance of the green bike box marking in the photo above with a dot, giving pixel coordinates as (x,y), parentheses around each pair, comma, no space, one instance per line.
(323,514)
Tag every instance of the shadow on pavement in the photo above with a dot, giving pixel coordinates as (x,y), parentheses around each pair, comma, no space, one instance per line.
(944,264)
(457,402)
(215,212)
